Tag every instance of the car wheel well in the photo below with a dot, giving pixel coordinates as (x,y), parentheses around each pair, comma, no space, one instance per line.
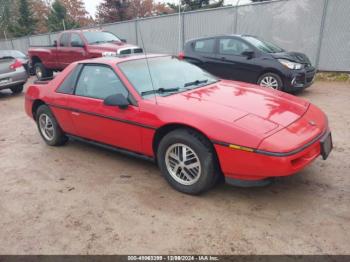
(35,60)
(273,71)
(36,104)
(164,130)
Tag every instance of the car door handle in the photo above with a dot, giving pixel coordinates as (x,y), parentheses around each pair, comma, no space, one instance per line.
(75,113)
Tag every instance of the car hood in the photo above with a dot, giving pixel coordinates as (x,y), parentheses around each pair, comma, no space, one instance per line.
(109,47)
(292,56)
(242,104)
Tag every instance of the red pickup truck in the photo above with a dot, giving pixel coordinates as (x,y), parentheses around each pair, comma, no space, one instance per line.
(75,45)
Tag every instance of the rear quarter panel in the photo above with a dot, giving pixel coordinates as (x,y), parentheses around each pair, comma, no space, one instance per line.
(46,92)
(5,66)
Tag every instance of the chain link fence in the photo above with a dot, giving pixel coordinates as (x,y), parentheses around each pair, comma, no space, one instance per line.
(319,28)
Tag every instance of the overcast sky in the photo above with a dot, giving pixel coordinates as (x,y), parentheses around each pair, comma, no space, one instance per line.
(92,4)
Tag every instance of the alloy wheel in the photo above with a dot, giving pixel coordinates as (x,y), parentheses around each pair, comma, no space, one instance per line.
(183,164)
(270,82)
(46,127)
(38,72)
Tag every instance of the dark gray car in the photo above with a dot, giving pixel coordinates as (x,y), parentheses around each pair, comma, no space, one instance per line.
(250,59)
(13,75)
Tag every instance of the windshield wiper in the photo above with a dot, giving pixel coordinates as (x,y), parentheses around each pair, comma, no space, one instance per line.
(160,91)
(196,83)
(175,89)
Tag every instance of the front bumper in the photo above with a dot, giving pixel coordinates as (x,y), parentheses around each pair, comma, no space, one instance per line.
(282,154)
(297,80)
(243,165)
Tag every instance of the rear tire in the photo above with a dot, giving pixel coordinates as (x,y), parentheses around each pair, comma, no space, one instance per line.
(17,89)
(48,127)
(41,71)
(271,80)
(193,174)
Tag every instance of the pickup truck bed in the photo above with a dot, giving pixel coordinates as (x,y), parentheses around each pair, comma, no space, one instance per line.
(76,45)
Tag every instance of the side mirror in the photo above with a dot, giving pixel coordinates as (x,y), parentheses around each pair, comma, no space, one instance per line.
(55,43)
(123,40)
(249,54)
(117,100)
(76,44)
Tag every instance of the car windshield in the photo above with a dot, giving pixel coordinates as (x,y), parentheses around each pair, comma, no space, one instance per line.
(100,37)
(12,53)
(169,75)
(263,45)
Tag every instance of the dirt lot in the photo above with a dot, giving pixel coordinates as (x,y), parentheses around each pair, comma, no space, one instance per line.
(79,199)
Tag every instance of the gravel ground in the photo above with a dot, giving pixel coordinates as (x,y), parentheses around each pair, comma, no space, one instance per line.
(79,199)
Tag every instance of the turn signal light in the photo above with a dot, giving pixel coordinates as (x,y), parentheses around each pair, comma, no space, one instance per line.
(248,149)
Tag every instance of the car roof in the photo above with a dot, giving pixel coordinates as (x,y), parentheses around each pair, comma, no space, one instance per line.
(216,36)
(10,50)
(112,60)
(84,30)
(13,53)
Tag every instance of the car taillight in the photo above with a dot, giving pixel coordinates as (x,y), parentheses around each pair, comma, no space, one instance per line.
(181,55)
(16,64)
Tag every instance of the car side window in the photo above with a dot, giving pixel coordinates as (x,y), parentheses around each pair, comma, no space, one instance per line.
(97,81)
(64,40)
(67,86)
(76,39)
(204,46)
(125,52)
(232,46)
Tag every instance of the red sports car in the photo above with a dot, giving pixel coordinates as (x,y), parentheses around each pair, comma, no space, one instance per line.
(195,126)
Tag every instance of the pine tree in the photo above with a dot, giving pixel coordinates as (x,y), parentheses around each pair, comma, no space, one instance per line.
(25,24)
(58,19)
(113,11)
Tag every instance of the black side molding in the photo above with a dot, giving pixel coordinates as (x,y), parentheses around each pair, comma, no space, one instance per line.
(112,148)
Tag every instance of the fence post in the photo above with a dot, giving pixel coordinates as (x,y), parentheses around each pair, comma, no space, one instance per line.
(236,17)
(136,33)
(320,39)
(28,41)
(13,46)
(183,30)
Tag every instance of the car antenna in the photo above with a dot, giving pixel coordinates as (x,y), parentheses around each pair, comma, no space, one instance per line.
(148,67)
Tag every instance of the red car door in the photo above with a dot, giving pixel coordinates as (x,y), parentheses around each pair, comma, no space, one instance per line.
(77,50)
(63,48)
(96,121)
(59,101)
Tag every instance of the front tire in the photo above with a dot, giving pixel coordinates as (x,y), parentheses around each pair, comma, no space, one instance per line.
(187,161)
(41,71)
(48,127)
(17,89)
(271,80)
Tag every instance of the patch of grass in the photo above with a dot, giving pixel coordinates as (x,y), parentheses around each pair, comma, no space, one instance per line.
(333,76)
